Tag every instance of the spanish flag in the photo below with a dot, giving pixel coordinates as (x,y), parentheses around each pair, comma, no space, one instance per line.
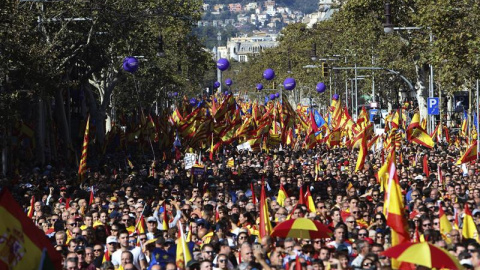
(309,200)
(282,195)
(165,218)
(394,209)
(469,155)
(23,245)
(362,153)
(230,163)
(32,207)
(445,225)
(416,134)
(183,255)
(469,230)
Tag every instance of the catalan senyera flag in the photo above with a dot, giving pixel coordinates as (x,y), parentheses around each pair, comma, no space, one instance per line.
(23,246)
(183,255)
(82,169)
(141,227)
(469,155)
(32,207)
(265,227)
(469,230)
(416,134)
(282,195)
(394,210)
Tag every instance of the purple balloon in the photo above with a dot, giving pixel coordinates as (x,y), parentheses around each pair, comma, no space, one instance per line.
(193,101)
(226,93)
(259,86)
(223,64)
(321,87)
(277,95)
(216,85)
(335,97)
(228,82)
(130,64)
(271,96)
(289,83)
(175,94)
(269,74)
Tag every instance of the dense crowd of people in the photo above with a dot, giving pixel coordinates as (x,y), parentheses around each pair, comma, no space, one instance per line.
(218,210)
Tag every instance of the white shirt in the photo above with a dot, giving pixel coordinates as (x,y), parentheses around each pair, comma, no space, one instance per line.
(137,257)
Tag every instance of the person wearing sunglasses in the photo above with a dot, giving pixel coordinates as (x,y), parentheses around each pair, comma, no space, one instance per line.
(221,262)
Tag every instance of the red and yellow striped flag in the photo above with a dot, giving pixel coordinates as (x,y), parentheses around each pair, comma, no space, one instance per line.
(32,207)
(82,169)
(23,245)
(265,226)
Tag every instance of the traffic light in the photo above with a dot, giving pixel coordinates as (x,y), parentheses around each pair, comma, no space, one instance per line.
(325,70)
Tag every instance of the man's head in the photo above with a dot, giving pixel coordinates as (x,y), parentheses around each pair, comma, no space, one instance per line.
(126,258)
(207,252)
(246,252)
(206,265)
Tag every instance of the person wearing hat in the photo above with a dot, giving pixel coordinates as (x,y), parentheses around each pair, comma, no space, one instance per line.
(112,245)
(152,228)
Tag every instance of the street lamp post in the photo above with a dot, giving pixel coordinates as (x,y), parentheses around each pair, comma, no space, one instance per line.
(389,28)
(219,72)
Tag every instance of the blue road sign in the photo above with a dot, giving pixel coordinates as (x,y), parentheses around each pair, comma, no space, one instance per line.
(433,106)
(373,112)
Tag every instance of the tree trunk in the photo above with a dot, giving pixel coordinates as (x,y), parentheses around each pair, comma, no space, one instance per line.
(41,130)
(421,86)
(63,126)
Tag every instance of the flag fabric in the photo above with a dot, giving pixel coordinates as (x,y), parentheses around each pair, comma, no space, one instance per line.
(82,169)
(265,227)
(92,196)
(469,155)
(469,229)
(362,153)
(254,200)
(426,170)
(106,257)
(165,218)
(418,135)
(32,207)
(445,225)
(282,195)
(183,255)
(231,163)
(130,164)
(23,245)
(309,200)
(394,209)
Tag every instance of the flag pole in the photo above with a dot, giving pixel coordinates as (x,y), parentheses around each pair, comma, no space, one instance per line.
(476,127)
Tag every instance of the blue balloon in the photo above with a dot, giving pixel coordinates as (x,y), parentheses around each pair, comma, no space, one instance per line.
(228,82)
(193,101)
(130,64)
(289,83)
(223,64)
(175,94)
(271,96)
(259,86)
(216,85)
(277,95)
(226,93)
(335,97)
(269,74)
(321,87)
